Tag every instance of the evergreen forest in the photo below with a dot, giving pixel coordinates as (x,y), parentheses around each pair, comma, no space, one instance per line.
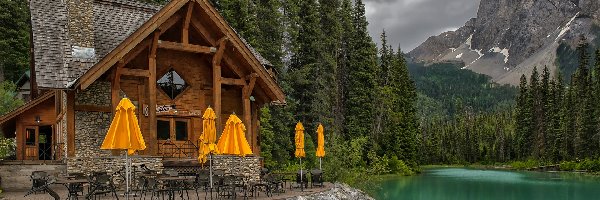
(382,114)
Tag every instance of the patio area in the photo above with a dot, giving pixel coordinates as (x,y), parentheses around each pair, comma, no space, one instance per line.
(63,193)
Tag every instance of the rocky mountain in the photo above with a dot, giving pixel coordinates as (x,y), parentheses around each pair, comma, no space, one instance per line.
(509,37)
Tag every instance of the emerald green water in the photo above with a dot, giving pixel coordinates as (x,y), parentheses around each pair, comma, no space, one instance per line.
(475,184)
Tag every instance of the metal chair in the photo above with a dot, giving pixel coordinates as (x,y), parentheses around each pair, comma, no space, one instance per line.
(40,182)
(316,177)
(101,184)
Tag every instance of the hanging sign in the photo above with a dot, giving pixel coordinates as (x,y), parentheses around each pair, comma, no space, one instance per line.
(164,108)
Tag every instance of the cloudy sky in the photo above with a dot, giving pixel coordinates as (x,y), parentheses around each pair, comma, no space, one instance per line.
(411,22)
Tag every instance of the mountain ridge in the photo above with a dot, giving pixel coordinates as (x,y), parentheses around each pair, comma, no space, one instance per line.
(510,37)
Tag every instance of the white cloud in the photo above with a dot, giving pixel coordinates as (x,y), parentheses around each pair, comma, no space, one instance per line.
(410,22)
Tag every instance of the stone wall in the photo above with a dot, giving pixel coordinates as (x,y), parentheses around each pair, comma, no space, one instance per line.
(110,164)
(90,130)
(97,94)
(247,166)
(91,127)
(17,177)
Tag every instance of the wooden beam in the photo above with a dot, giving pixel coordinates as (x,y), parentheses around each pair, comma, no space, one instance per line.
(93,108)
(230,64)
(116,85)
(152,93)
(246,92)
(125,47)
(233,81)
(135,72)
(197,25)
(217,83)
(186,47)
(71,123)
(186,24)
(169,23)
(255,129)
(137,50)
(219,54)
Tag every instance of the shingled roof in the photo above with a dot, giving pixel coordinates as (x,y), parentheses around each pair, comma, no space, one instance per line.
(114,21)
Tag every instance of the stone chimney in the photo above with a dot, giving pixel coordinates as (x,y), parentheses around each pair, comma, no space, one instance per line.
(81,28)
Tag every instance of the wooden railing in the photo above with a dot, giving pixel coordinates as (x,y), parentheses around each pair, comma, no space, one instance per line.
(177,149)
(34,153)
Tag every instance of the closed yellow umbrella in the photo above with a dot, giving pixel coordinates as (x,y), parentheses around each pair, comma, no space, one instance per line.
(233,139)
(124,134)
(320,144)
(299,141)
(208,139)
(209,135)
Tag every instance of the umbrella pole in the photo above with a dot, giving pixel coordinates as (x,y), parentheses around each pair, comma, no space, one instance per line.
(320,164)
(301,183)
(126,175)
(210,170)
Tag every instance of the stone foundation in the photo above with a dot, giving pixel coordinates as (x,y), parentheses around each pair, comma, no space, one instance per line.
(233,165)
(110,164)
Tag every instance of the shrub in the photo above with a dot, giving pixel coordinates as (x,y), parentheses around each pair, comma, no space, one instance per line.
(399,167)
(8,147)
(522,165)
(568,166)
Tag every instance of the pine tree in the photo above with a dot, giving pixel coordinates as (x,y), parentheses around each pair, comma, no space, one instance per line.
(305,66)
(362,68)
(331,35)
(523,118)
(596,97)
(14,39)
(343,57)
(241,15)
(270,35)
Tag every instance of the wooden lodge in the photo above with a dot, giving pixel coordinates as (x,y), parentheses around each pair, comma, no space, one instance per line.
(173,61)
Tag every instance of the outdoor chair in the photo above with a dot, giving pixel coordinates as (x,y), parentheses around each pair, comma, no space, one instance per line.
(316,176)
(301,183)
(152,186)
(38,179)
(40,182)
(276,183)
(78,188)
(101,184)
(226,187)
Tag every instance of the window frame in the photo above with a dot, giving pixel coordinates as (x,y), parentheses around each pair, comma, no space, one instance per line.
(173,129)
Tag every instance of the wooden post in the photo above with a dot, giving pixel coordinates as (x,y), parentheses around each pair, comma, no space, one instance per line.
(255,129)
(116,85)
(216,65)
(71,123)
(246,92)
(186,24)
(152,94)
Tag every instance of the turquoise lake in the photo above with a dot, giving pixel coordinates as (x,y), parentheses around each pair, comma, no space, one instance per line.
(476,184)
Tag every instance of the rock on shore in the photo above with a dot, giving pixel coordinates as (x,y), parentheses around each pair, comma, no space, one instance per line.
(340,191)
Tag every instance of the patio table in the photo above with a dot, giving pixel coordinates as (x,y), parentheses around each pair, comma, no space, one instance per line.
(175,183)
(73,186)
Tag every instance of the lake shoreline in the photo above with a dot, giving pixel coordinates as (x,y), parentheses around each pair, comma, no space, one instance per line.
(508,168)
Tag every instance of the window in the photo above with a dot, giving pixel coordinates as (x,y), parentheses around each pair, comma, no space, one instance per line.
(172,84)
(30,137)
(173,129)
(181,130)
(163,129)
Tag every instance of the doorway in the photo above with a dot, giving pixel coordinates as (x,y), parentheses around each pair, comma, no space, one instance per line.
(38,143)
(45,143)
